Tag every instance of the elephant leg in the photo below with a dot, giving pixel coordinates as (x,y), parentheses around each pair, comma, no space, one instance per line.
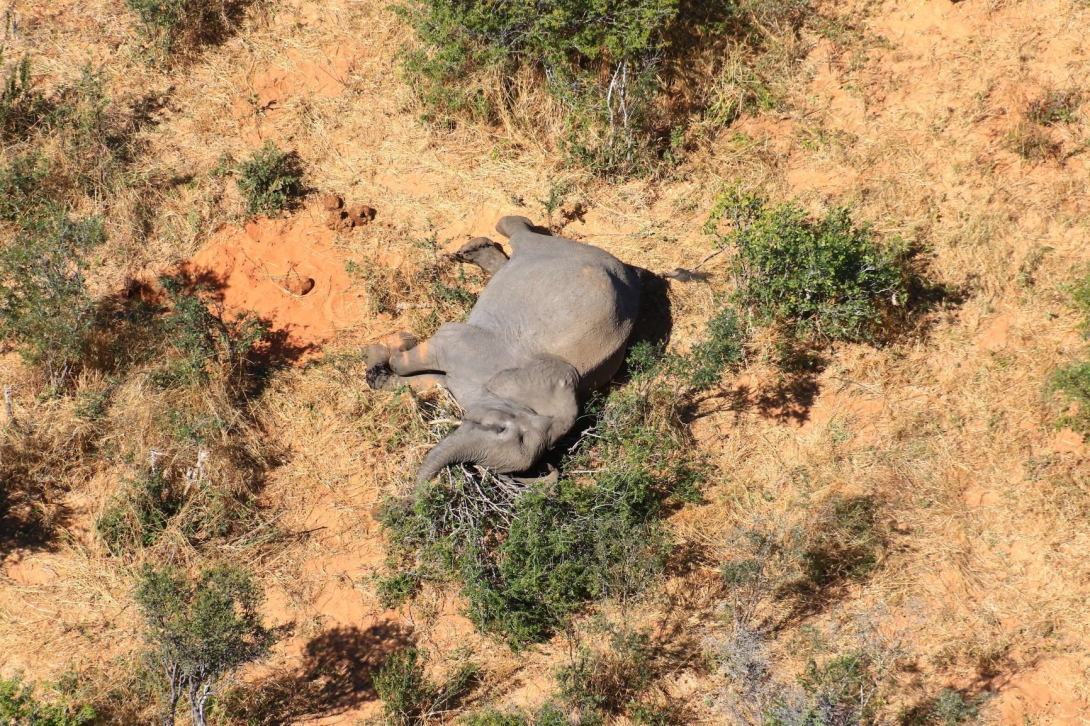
(483,253)
(419,359)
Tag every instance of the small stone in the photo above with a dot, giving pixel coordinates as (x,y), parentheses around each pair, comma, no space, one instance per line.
(332,202)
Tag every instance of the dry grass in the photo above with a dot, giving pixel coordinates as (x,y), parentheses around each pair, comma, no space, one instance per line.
(908,113)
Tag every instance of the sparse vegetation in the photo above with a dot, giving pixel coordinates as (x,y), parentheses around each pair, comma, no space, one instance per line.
(200,632)
(45,308)
(1055,107)
(409,697)
(1072,382)
(19,707)
(270,180)
(170,26)
(814,278)
(22,108)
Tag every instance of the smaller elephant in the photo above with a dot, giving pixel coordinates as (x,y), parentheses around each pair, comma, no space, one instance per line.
(550,327)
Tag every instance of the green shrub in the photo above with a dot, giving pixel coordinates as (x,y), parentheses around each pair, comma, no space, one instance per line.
(409,697)
(609,64)
(18,707)
(1073,383)
(721,349)
(206,337)
(611,680)
(394,590)
(45,307)
(270,180)
(816,278)
(200,631)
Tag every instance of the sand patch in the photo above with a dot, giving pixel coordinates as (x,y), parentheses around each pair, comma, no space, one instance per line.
(289,274)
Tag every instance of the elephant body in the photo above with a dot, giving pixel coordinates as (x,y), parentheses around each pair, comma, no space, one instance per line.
(549,328)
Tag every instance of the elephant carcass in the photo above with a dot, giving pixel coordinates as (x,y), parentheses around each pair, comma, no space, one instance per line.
(550,327)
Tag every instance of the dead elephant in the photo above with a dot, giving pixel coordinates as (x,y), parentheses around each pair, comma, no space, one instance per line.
(550,327)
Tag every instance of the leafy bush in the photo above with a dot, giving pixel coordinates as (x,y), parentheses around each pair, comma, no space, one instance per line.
(44,303)
(205,336)
(721,349)
(409,697)
(529,556)
(606,63)
(270,180)
(816,278)
(18,707)
(200,631)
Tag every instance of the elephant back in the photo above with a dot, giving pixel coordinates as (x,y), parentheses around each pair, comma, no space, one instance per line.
(560,298)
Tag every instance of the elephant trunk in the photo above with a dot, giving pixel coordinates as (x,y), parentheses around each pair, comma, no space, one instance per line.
(459,447)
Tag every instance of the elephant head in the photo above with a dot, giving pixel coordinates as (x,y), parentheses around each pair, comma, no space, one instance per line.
(521,413)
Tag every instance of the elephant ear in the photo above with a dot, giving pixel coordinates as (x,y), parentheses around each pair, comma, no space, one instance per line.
(547,387)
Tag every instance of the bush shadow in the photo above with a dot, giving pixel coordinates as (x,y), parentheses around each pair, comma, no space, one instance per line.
(336,676)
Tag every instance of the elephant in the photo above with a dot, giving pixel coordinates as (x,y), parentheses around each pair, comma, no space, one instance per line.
(550,327)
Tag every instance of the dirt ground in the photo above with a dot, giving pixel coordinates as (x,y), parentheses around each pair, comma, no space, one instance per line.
(908,110)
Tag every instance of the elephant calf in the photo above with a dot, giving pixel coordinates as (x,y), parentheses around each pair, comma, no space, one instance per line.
(549,328)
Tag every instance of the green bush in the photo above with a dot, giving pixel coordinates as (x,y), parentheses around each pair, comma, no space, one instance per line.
(722,348)
(608,63)
(409,697)
(816,278)
(45,307)
(18,707)
(270,180)
(200,631)
(207,339)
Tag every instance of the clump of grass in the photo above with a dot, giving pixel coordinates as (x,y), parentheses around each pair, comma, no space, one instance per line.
(845,541)
(409,697)
(45,307)
(1055,107)
(19,707)
(170,26)
(200,631)
(22,186)
(817,279)
(270,180)
(137,517)
(22,108)
(611,680)
(1031,142)
(1072,382)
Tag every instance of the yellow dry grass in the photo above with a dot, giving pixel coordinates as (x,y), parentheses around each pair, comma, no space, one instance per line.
(913,112)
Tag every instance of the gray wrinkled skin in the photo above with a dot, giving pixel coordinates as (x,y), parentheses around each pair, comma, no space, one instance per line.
(550,327)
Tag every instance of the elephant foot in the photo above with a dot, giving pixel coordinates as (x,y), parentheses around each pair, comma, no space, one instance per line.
(483,253)
(377,358)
